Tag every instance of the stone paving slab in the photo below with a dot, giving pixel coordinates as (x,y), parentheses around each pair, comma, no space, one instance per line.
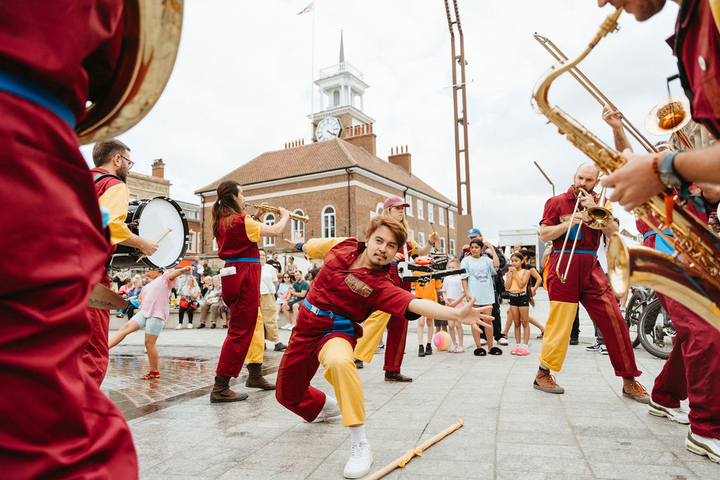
(511,431)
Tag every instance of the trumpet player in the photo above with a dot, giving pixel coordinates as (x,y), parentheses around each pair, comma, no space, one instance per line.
(693,369)
(585,282)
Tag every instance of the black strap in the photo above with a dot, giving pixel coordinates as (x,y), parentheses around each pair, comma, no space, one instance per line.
(99,176)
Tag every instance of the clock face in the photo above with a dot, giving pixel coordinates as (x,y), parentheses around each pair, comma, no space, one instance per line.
(328,128)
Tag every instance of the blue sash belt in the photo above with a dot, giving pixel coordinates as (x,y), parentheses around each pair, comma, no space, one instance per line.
(340,324)
(36,94)
(242,260)
(661,245)
(589,252)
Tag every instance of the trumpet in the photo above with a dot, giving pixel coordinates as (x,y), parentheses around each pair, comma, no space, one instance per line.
(597,218)
(268,208)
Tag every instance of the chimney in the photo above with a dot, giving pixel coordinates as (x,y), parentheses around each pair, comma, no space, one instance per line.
(295,143)
(399,156)
(158,168)
(361,136)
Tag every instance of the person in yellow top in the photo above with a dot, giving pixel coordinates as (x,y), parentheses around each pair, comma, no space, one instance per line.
(428,291)
(112,164)
(374,325)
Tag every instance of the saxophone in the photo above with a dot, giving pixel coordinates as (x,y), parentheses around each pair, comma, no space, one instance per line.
(694,279)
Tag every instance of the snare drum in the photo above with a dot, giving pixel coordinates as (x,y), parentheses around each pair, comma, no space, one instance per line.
(150,218)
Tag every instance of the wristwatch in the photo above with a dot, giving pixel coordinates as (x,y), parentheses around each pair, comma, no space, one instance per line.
(667,175)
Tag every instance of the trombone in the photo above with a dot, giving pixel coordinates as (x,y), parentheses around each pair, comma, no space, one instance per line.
(595,92)
(670,117)
(276,210)
(597,218)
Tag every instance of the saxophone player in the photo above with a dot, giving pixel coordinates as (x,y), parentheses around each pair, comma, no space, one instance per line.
(693,369)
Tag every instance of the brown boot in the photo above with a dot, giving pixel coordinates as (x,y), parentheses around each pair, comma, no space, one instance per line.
(221,391)
(255,378)
(546,383)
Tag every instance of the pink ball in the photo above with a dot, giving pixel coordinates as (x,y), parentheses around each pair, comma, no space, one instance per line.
(441,340)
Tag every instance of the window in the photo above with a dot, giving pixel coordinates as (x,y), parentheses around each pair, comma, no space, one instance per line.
(442,245)
(336,98)
(378,210)
(451,219)
(411,234)
(421,239)
(452,246)
(193,243)
(328,222)
(421,214)
(296,226)
(431,213)
(215,245)
(408,210)
(441,216)
(269,219)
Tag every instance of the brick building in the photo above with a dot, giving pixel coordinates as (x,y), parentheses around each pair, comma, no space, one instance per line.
(337,181)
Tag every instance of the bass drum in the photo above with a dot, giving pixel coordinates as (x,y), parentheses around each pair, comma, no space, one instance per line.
(150,218)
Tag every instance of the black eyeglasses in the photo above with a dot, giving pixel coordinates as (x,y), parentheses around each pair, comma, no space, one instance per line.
(130,162)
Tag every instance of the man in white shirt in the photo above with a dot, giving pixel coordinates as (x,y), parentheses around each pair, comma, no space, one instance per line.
(268,309)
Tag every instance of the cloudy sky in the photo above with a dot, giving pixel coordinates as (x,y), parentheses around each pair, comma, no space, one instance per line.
(242,86)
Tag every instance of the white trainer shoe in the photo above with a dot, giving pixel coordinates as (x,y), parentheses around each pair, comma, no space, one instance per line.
(502,341)
(674,414)
(189,326)
(361,460)
(483,342)
(695,443)
(179,326)
(329,410)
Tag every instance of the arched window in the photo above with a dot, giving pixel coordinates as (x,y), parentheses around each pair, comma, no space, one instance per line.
(328,222)
(269,219)
(378,210)
(336,98)
(296,226)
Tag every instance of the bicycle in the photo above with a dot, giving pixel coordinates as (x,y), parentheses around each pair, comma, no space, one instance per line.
(640,297)
(656,331)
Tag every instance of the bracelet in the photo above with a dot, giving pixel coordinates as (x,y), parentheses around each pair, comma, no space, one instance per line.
(656,168)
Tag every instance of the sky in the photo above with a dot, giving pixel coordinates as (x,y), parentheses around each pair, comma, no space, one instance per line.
(242,83)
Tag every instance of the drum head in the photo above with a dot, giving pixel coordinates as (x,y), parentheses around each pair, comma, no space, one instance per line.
(158,215)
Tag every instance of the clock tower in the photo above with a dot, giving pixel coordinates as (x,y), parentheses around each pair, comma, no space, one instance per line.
(342,89)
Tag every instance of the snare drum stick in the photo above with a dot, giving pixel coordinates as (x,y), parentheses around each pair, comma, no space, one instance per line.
(158,241)
(434,231)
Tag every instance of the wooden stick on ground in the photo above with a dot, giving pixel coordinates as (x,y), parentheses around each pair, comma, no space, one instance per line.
(402,461)
(158,241)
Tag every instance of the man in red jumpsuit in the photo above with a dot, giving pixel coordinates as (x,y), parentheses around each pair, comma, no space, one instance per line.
(54,421)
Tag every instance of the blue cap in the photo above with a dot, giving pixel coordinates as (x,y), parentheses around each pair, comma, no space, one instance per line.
(473,232)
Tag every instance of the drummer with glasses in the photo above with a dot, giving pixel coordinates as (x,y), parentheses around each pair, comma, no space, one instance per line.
(112,164)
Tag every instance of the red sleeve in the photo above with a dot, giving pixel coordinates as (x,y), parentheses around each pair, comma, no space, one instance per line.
(550,214)
(394,300)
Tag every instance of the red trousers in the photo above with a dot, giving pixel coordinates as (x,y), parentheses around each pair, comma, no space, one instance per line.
(692,370)
(241,293)
(97,355)
(395,346)
(54,421)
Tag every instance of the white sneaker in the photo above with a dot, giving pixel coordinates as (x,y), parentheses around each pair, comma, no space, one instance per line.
(189,326)
(329,410)
(361,460)
(179,326)
(603,350)
(695,443)
(483,342)
(674,414)
(503,341)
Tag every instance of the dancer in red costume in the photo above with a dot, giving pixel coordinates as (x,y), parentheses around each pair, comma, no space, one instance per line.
(237,236)
(54,421)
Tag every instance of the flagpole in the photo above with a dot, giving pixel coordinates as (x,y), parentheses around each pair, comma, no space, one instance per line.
(312,74)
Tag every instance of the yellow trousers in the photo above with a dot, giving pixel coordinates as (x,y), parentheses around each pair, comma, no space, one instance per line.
(257,344)
(336,357)
(557,333)
(373,329)
(268,310)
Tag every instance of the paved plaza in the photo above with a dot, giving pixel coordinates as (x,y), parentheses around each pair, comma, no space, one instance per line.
(511,431)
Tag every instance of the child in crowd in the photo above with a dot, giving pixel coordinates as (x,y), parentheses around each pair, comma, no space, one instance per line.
(428,291)
(452,290)
(533,290)
(154,311)
(478,283)
(516,283)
